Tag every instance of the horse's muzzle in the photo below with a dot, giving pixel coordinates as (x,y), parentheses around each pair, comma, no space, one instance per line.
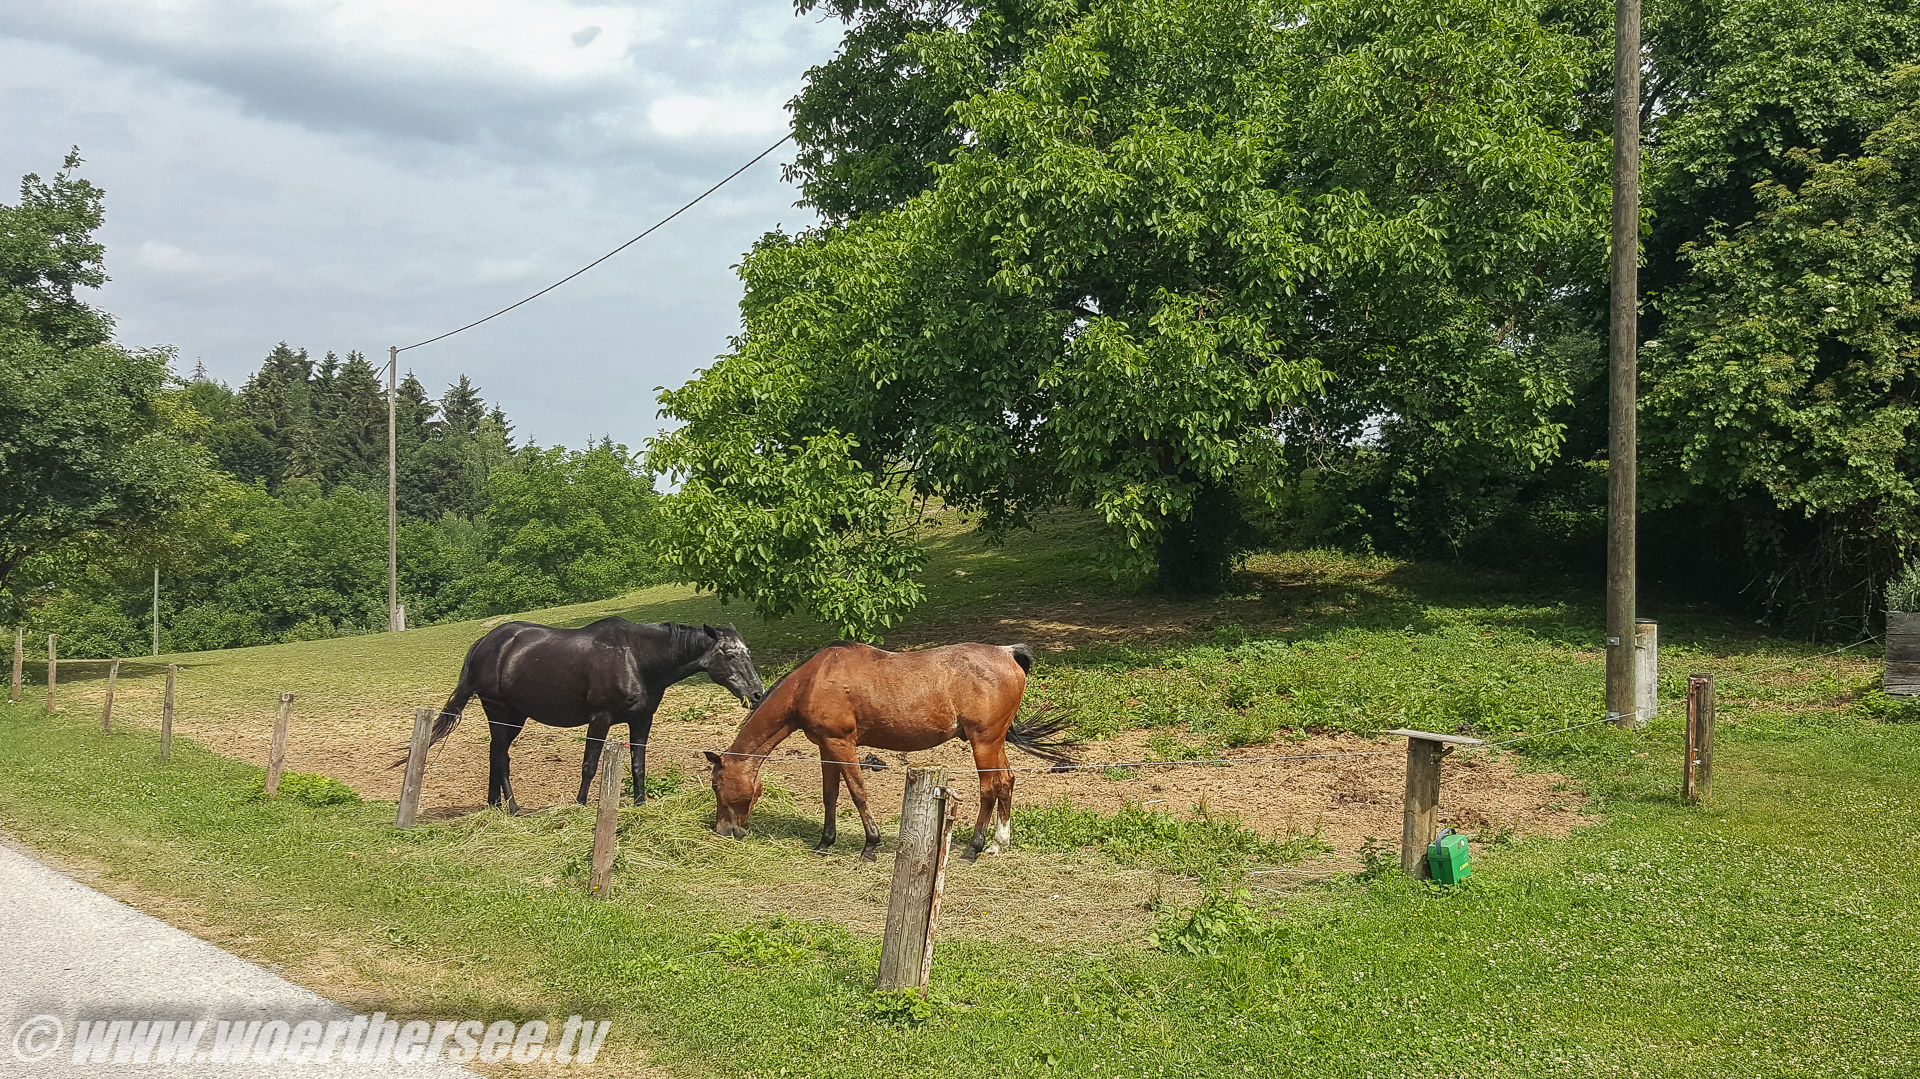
(731,831)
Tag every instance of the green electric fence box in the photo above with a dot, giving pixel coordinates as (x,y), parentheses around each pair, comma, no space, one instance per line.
(1447,858)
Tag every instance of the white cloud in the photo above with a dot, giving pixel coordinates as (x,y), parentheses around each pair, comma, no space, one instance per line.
(353,174)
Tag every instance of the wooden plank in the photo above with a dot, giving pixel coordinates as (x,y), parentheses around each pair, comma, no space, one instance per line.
(1646,669)
(277,756)
(950,805)
(915,867)
(606,819)
(106,710)
(1453,739)
(1422,821)
(416,768)
(1709,714)
(166,716)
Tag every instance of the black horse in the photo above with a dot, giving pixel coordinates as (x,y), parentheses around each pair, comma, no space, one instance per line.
(613,671)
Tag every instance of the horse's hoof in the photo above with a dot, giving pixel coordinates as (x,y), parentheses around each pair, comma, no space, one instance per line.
(823,849)
(972,854)
(868,855)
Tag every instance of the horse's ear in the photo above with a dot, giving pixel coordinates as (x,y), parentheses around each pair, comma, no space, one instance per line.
(711,632)
(713,758)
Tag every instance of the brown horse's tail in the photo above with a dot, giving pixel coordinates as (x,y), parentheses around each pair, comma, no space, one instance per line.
(1042,734)
(449,717)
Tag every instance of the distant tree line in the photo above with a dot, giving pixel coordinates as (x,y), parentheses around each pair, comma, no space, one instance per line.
(264,507)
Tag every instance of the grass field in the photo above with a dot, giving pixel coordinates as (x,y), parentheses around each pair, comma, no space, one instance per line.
(1772,932)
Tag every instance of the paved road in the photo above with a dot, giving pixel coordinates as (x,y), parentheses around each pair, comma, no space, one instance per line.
(69,952)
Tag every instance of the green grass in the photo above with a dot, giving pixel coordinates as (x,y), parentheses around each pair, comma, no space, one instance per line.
(1775,931)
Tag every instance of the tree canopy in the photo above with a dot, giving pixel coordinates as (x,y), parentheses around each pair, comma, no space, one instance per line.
(1170,246)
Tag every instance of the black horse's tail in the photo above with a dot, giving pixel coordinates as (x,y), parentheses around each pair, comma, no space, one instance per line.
(1023,656)
(449,717)
(1043,734)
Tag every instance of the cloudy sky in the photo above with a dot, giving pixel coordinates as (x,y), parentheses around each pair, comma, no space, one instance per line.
(352,174)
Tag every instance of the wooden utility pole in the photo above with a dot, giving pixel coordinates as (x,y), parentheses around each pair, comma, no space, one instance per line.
(916,869)
(1623,414)
(106,710)
(606,818)
(53,667)
(156,610)
(393,494)
(410,779)
(19,663)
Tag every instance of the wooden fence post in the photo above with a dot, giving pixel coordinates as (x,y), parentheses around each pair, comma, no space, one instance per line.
(1422,822)
(53,667)
(277,756)
(916,870)
(166,716)
(606,818)
(1696,780)
(19,662)
(939,882)
(106,710)
(416,767)
(1646,670)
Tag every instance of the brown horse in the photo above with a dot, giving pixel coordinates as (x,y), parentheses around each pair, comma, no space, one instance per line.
(851,695)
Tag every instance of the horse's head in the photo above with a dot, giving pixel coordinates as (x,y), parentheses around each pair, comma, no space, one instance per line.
(730,664)
(736,787)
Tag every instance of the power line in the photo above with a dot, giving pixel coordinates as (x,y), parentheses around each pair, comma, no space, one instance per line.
(608,255)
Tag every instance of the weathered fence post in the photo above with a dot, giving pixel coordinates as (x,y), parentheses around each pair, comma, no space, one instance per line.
(166,716)
(106,710)
(916,869)
(416,767)
(1422,823)
(53,667)
(1646,669)
(277,756)
(1696,780)
(606,818)
(19,663)
(939,883)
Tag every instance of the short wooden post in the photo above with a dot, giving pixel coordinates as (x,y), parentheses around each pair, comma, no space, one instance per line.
(1646,669)
(53,667)
(606,818)
(916,869)
(19,663)
(1696,781)
(416,767)
(1422,822)
(106,710)
(166,716)
(277,756)
(939,882)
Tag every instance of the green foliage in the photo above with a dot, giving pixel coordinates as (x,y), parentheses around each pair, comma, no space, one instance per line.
(307,789)
(907,1007)
(1174,242)
(1378,860)
(1783,381)
(566,526)
(1220,922)
(780,943)
(1903,591)
(94,455)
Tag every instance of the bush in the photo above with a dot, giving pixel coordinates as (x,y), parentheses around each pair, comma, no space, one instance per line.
(1219,922)
(1903,591)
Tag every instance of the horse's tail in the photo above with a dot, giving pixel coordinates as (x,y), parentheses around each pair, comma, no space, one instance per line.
(1043,734)
(1023,656)
(449,717)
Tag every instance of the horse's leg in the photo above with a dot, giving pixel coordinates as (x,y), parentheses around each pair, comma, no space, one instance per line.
(846,754)
(596,741)
(996,798)
(502,728)
(639,729)
(830,795)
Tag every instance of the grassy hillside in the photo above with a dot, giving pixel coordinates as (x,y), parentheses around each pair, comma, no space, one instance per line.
(1768,933)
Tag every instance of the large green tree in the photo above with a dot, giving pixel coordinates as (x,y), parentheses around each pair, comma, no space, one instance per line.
(1166,246)
(93,454)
